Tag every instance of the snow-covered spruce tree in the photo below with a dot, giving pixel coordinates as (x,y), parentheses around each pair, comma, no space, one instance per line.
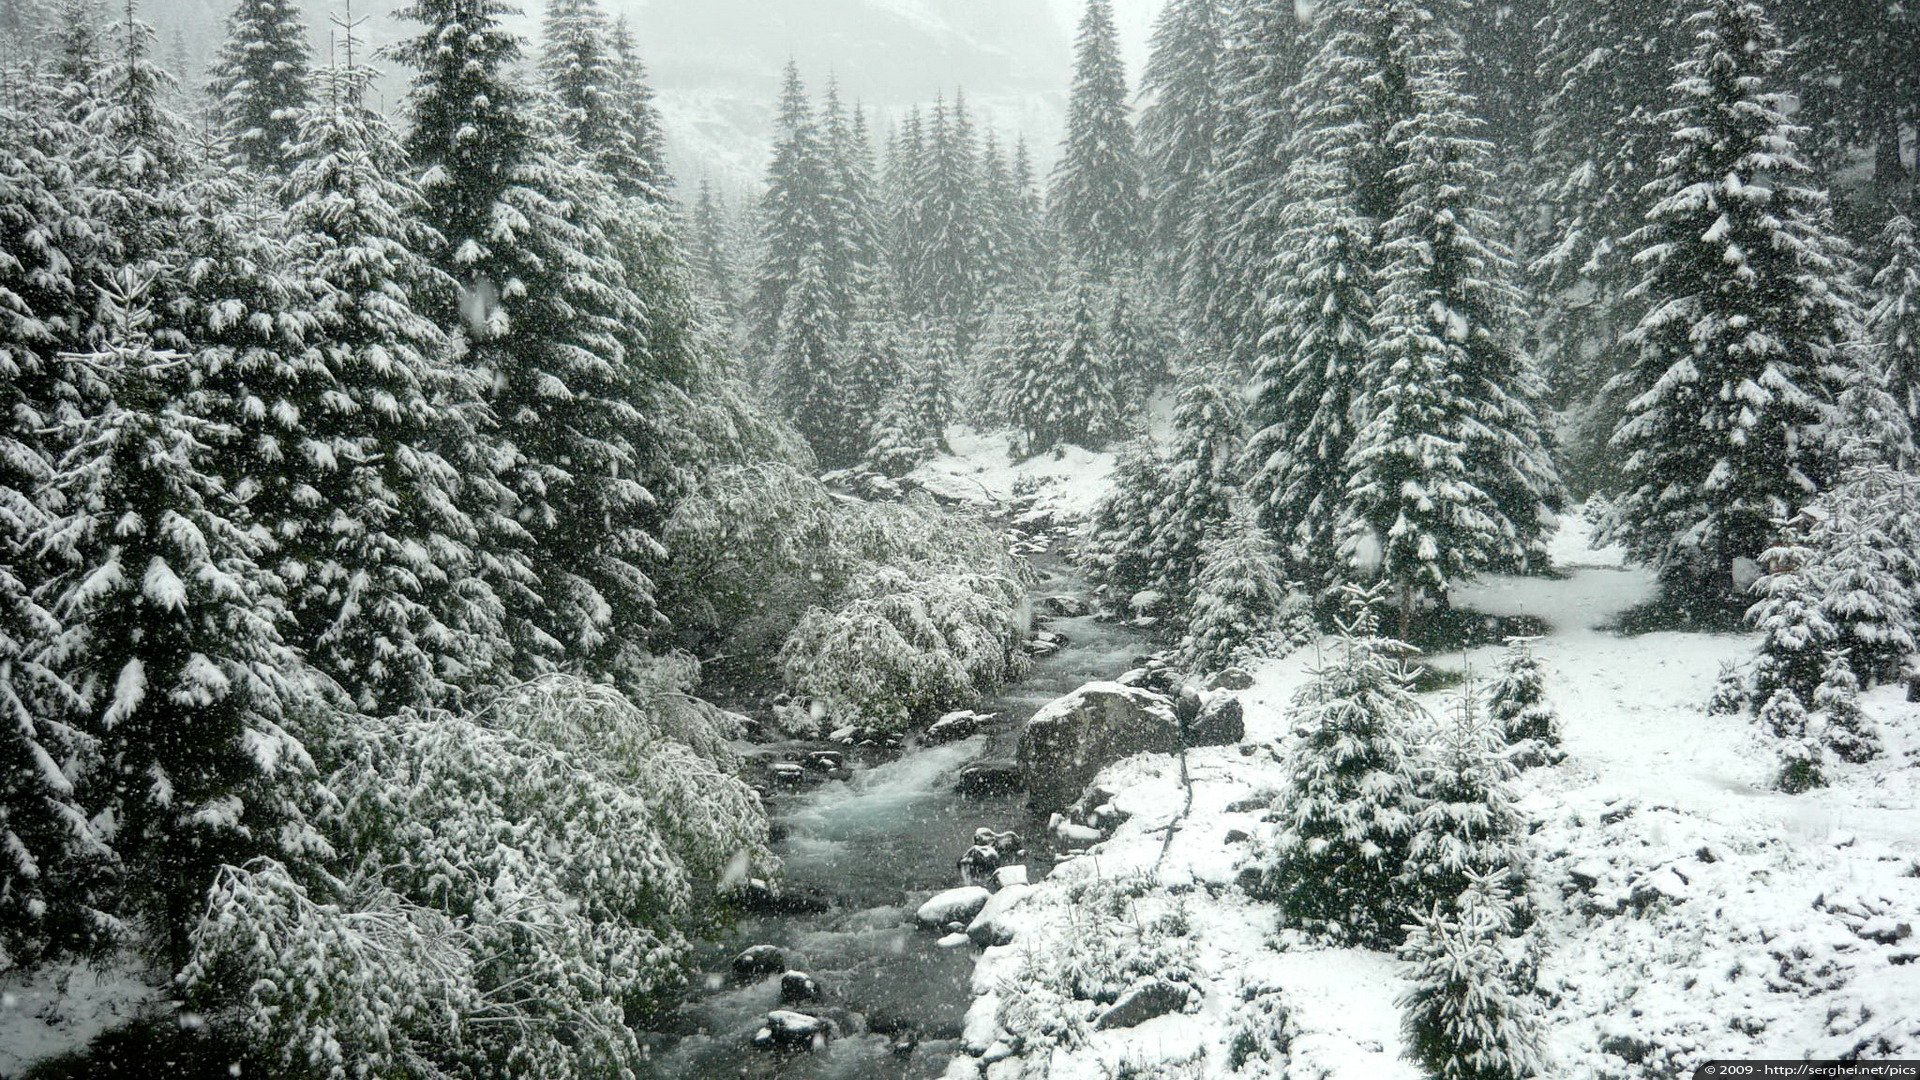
(856,207)
(1139,343)
(1449,474)
(638,168)
(388,600)
(1178,146)
(1471,1013)
(52,857)
(1517,701)
(1467,825)
(873,361)
(1895,319)
(1795,633)
(1731,693)
(1837,700)
(1199,483)
(579,69)
(550,313)
(1010,223)
(259,82)
(1865,562)
(1094,199)
(1120,546)
(199,700)
(1265,45)
(1314,332)
(949,272)
(710,252)
(1235,603)
(1741,354)
(1061,388)
(1346,814)
(1802,755)
(807,370)
(796,213)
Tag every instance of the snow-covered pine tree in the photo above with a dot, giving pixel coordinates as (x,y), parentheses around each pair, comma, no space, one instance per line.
(1837,700)
(710,253)
(580,71)
(1233,607)
(1795,633)
(1449,474)
(1467,825)
(796,213)
(52,857)
(1346,815)
(1741,354)
(873,362)
(1802,753)
(199,700)
(856,225)
(933,363)
(950,278)
(1178,145)
(1314,333)
(1265,46)
(1471,1013)
(1140,343)
(1094,199)
(1119,551)
(387,599)
(1060,387)
(1517,701)
(1199,484)
(1895,319)
(548,305)
(807,370)
(1864,558)
(1731,694)
(259,82)
(642,138)
(1008,257)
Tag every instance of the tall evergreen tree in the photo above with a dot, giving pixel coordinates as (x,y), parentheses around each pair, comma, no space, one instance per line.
(1179,146)
(259,82)
(1895,318)
(643,138)
(710,251)
(1201,476)
(1094,200)
(1743,349)
(796,213)
(950,277)
(806,367)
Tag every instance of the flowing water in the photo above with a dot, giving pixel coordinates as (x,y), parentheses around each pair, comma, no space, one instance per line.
(878,845)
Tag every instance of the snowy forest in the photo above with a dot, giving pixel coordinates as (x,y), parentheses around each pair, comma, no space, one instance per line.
(1390,548)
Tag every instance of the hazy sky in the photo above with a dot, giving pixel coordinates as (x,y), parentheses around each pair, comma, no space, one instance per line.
(716,63)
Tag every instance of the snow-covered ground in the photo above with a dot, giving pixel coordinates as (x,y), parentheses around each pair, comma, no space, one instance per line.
(1688,912)
(66,1006)
(982,470)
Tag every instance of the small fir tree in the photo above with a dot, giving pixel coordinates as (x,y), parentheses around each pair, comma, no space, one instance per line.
(1237,598)
(1467,826)
(1517,701)
(1471,1013)
(260,82)
(1802,757)
(1731,694)
(1347,813)
(1837,701)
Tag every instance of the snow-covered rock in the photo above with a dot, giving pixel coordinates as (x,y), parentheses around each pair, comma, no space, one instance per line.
(1142,1003)
(798,988)
(1222,722)
(789,1030)
(1065,606)
(1074,737)
(992,926)
(954,905)
(760,960)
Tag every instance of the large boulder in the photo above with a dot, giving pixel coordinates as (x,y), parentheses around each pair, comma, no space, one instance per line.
(955,905)
(1072,738)
(1222,722)
(991,926)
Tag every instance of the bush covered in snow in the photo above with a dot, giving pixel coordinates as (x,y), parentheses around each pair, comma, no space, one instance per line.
(883,611)
(1517,700)
(509,886)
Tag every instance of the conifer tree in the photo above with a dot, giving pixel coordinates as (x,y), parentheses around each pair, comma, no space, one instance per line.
(1517,701)
(643,137)
(1178,143)
(796,213)
(1837,699)
(259,82)
(1346,816)
(1061,388)
(579,69)
(1802,755)
(856,226)
(388,602)
(1467,826)
(1742,352)
(1094,201)
(1233,610)
(1121,538)
(196,717)
(1895,318)
(1865,565)
(1471,1013)
(550,311)
(1200,482)
(806,368)
(1795,632)
(950,277)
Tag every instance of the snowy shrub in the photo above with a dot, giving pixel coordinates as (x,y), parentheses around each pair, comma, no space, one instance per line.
(1467,825)
(1795,633)
(354,982)
(1262,1032)
(1517,701)
(1347,813)
(1471,1013)
(1802,758)
(1837,701)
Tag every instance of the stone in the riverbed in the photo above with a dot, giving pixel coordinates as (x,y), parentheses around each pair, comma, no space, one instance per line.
(1040,650)
(824,760)
(843,735)
(1011,875)
(1072,738)
(991,926)
(953,727)
(954,905)
(798,988)
(1073,834)
(1143,1003)
(978,864)
(954,940)
(1065,606)
(789,1030)
(760,960)
(762,898)
(1222,722)
(988,778)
